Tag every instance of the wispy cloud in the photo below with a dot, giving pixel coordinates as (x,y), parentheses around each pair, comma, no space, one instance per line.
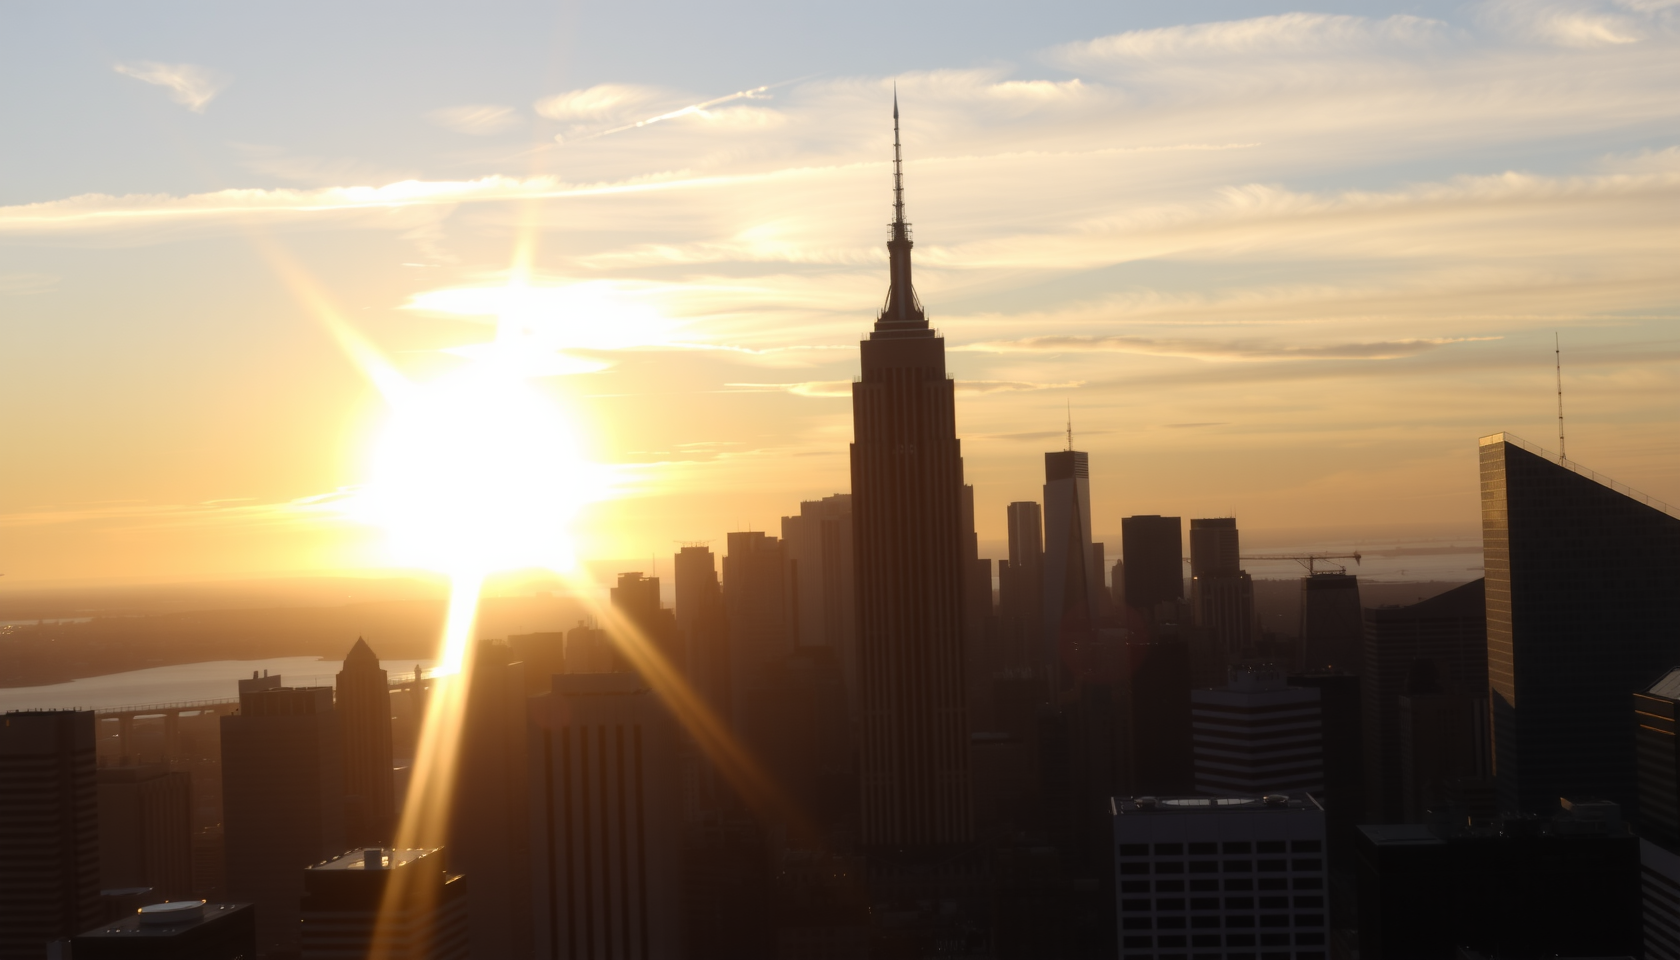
(475,119)
(1219,350)
(190,85)
(601,102)
(18,284)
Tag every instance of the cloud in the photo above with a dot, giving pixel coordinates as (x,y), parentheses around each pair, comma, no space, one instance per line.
(604,101)
(1562,24)
(475,119)
(1288,34)
(1218,350)
(20,284)
(191,86)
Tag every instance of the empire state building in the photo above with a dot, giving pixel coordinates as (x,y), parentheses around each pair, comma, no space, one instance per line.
(907,478)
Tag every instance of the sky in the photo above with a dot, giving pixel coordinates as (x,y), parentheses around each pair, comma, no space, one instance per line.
(1276,262)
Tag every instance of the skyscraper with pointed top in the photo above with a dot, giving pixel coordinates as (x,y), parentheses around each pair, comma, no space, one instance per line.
(907,477)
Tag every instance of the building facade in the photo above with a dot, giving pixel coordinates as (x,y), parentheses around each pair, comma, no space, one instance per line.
(1152,549)
(49,830)
(362,701)
(145,830)
(384,904)
(1257,736)
(907,479)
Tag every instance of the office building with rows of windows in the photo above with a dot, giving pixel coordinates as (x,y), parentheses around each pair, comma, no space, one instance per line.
(1227,878)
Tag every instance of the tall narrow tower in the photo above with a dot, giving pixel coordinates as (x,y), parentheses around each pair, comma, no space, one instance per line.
(907,480)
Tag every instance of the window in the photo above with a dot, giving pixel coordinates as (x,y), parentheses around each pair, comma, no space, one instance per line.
(1134,905)
(1275,920)
(1134,886)
(1169,886)
(1274,903)
(1174,904)
(1309,902)
(1269,846)
(1242,921)
(1239,940)
(1135,923)
(1309,939)
(1309,864)
(1274,883)
(1205,903)
(1140,941)
(1203,923)
(1204,866)
(1239,885)
(1134,868)
(1273,866)
(1170,923)
(1203,849)
(1205,940)
(1236,846)
(1306,846)
(1134,849)
(1169,866)
(1169,849)
(1309,883)
(1239,903)
(1309,919)
(1202,886)
(1238,866)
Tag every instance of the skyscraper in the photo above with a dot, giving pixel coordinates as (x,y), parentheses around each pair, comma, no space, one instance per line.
(1021,586)
(385,903)
(145,830)
(907,513)
(755,600)
(1330,622)
(637,598)
(1221,592)
(1581,612)
(363,705)
(49,830)
(283,800)
(703,626)
(1152,548)
(1071,581)
(818,546)
(607,851)
(1258,735)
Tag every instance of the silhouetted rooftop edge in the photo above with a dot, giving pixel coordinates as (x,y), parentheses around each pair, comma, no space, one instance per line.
(1571,465)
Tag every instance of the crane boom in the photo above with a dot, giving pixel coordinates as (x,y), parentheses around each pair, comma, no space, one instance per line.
(1309,560)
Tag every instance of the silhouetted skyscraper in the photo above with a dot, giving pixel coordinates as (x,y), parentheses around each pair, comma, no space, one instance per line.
(1449,632)
(637,598)
(145,830)
(489,826)
(907,513)
(818,546)
(1330,622)
(283,800)
(1152,547)
(363,705)
(1071,583)
(49,830)
(704,627)
(1221,592)
(755,600)
(607,850)
(1581,611)
(1021,587)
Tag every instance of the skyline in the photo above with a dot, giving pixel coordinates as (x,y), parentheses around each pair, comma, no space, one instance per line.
(1226,265)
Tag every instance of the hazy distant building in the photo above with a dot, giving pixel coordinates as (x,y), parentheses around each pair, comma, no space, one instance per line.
(1448,632)
(1021,588)
(385,904)
(1152,548)
(1258,735)
(1565,886)
(363,704)
(544,655)
(1221,592)
(283,800)
(755,601)
(817,545)
(636,598)
(1581,611)
(1223,877)
(704,627)
(1072,577)
(607,851)
(49,830)
(589,649)
(145,830)
(1331,622)
(907,478)
(489,825)
(179,930)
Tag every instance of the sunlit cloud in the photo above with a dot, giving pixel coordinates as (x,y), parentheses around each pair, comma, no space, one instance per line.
(1564,24)
(601,102)
(1213,350)
(475,119)
(190,85)
(1288,34)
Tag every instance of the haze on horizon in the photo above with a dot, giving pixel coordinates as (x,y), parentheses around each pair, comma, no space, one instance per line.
(1281,264)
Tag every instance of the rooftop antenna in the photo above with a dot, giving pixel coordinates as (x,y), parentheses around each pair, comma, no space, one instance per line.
(1557,351)
(1070,424)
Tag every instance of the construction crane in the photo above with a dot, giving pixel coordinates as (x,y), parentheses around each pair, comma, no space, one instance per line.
(1311,559)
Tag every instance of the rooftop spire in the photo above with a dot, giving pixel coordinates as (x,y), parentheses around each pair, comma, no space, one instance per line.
(902,314)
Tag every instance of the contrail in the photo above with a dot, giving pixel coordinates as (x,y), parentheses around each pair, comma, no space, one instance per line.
(685,111)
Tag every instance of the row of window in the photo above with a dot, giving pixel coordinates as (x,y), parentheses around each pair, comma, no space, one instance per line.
(1231,903)
(1268,955)
(1230,846)
(1214,921)
(1209,885)
(1312,864)
(1231,940)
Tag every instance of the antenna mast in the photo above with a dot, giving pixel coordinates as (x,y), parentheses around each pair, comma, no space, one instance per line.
(1557,350)
(1070,425)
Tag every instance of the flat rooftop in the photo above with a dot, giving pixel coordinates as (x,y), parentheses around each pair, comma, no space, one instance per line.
(1201,806)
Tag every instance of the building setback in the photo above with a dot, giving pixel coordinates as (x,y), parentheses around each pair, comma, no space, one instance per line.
(1223,877)
(1581,611)
(907,478)
(49,830)
(1258,735)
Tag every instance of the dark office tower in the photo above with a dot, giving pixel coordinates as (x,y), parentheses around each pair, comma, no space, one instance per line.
(544,655)
(1071,607)
(637,598)
(755,602)
(49,830)
(1580,611)
(1449,632)
(1214,547)
(607,848)
(1117,585)
(1021,586)
(363,705)
(489,838)
(1152,549)
(1330,622)
(1221,593)
(385,904)
(1655,714)
(907,514)
(822,603)
(1258,735)
(145,830)
(283,800)
(703,626)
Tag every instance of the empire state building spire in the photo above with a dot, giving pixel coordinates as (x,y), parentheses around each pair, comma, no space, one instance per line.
(902,314)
